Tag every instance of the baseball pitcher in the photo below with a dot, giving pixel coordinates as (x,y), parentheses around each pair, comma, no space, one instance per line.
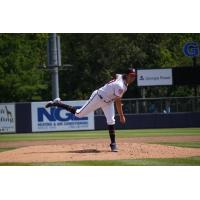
(104,98)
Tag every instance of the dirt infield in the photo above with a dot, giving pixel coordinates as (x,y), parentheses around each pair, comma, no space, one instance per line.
(95,149)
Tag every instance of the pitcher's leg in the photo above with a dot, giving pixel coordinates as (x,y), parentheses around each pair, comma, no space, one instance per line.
(109,112)
(91,105)
(61,105)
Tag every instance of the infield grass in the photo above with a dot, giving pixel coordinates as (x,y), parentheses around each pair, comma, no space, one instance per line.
(181,144)
(98,134)
(190,161)
(6,149)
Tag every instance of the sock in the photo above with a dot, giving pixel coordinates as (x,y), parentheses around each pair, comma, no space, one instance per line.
(66,107)
(111,129)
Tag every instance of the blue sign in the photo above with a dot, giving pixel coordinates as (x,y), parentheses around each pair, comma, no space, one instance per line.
(57,119)
(54,115)
(191,49)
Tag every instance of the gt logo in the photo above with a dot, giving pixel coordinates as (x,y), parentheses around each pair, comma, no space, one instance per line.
(191,49)
(56,114)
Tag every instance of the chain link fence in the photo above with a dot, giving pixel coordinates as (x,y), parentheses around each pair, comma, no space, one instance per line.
(159,105)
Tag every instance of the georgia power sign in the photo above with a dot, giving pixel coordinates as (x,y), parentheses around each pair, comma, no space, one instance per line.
(57,119)
(152,77)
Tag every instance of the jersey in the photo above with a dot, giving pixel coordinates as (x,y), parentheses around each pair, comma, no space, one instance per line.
(114,88)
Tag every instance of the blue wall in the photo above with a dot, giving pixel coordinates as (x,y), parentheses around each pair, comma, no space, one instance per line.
(134,121)
(23,118)
(139,121)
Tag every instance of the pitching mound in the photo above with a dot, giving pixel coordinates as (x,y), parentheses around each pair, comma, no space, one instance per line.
(91,151)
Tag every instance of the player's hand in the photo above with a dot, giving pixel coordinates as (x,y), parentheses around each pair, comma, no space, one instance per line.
(122,119)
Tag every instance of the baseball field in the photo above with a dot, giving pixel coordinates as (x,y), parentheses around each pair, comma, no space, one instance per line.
(141,147)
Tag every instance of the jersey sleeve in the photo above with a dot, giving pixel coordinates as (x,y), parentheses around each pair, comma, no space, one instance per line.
(118,91)
(117,76)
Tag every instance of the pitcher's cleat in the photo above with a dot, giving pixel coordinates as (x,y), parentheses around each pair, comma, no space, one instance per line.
(55,102)
(113,147)
(49,104)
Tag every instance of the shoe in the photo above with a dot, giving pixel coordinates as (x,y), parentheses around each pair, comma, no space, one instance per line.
(113,147)
(55,102)
(49,104)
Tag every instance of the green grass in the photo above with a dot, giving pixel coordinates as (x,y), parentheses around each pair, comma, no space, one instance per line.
(99,134)
(191,161)
(6,149)
(182,144)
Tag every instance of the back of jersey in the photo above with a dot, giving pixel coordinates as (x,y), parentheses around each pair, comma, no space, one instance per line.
(114,88)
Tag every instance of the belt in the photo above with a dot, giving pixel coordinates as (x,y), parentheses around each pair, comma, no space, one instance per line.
(102,98)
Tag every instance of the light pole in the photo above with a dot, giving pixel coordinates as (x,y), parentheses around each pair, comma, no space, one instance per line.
(54,61)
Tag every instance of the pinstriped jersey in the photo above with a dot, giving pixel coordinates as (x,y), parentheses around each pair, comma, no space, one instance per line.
(114,88)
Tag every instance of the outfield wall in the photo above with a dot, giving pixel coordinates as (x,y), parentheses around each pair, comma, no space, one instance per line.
(19,118)
(160,120)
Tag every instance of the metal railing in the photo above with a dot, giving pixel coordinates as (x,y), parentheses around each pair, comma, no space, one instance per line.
(159,105)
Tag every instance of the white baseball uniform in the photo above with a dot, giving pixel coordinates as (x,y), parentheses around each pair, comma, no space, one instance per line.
(104,98)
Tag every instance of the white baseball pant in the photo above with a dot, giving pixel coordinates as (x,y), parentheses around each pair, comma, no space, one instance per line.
(93,104)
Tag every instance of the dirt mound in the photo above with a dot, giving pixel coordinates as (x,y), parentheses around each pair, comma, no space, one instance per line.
(93,151)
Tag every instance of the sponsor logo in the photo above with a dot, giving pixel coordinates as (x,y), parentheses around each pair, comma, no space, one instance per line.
(191,49)
(141,78)
(56,114)
(57,119)
(150,77)
(6,119)
(154,78)
(6,115)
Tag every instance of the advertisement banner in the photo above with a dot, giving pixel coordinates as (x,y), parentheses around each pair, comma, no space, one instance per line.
(56,119)
(152,77)
(7,118)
